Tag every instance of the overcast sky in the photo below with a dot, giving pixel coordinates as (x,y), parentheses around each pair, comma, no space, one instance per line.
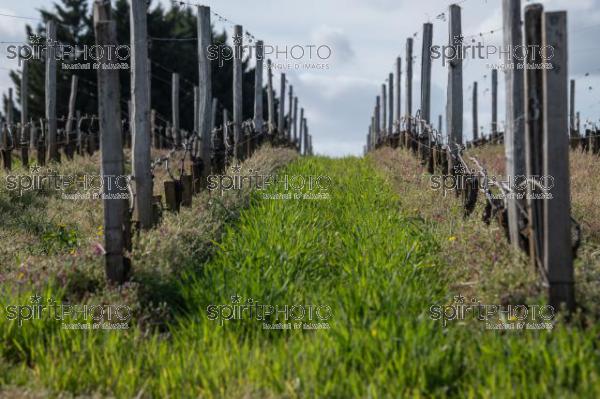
(366,36)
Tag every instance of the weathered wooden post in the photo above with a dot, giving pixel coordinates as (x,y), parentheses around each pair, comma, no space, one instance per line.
(51,91)
(391,103)
(40,144)
(534,130)
(140,115)
(301,131)
(237,88)
(33,136)
(409,76)
(258,87)
(475,116)
(196,116)
(514,136)
(426,72)
(205,86)
(154,129)
(78,132)
(10,109)
(398,91)
(572,130)
(25,114)
(383,110)
(454,104)
(213,115)
(71,117)
(295,121)
(5,146)
(377,118)
(112,148)
(280,115)
(225,136)
(290,110)
(270,97)
(175,108)
(558,254)
(306,143)
(494,105)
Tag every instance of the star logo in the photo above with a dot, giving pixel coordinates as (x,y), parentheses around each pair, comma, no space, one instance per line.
(36,299)
(236,298)
(458,39)
(236,169)
(459,299)
(237,40)
(35,169)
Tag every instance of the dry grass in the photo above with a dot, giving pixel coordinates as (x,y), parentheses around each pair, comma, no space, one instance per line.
(46,238)
(479,258)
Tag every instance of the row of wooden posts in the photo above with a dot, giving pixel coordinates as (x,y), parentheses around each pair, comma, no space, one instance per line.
(536,135)
(208,146)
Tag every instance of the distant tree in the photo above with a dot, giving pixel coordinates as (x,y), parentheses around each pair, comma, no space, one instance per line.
(74,27)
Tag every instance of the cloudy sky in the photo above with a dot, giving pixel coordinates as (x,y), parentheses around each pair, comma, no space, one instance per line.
(366,36)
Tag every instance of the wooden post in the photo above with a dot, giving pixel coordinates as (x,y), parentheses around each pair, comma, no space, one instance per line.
(25,132)
(383,110)
(426,72)
(295,121)
(280,117)
(140,115)
(398,91)
(71,116)
(409,75)
(534,130)
(226,134)
(301,131)
(572,131)
(377,117)
(558,255)
(51,91)
(258,87)
(391,103)
(40,144)
(494,104)
(270,97)
(306,144)
(290,110)
(440,124)
(475,118)
(196,116)
(78,132)
(10,109)
(175,108)
(205,85)
(514,135)
(454,104)
(33,136)
(237,88)
(111,146)
(154,129)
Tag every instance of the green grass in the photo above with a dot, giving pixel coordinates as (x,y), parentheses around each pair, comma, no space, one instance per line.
(359,253)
